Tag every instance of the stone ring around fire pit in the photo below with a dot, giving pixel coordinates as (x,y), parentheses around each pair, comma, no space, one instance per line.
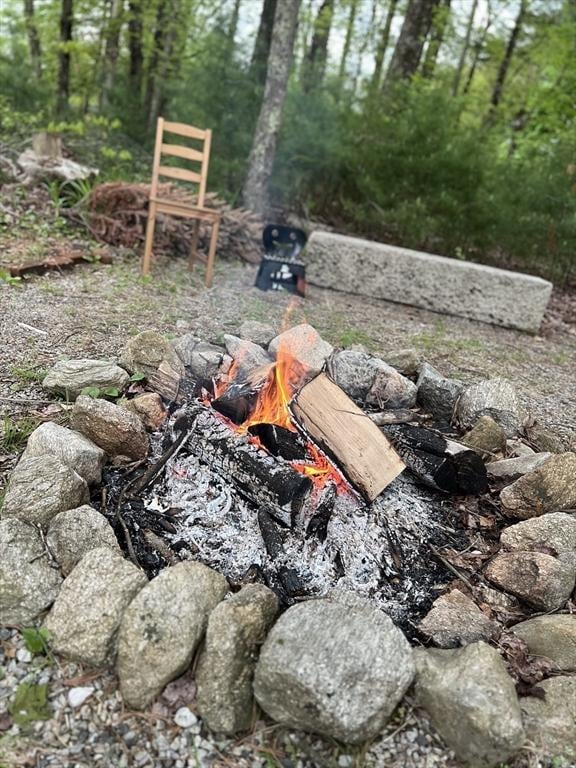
(204,517)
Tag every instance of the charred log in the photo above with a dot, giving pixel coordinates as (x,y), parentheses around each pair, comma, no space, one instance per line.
(272,535)
(318,525)
(280,441)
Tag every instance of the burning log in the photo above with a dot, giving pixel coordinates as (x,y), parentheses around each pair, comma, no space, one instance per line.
(280,441)
(345,433)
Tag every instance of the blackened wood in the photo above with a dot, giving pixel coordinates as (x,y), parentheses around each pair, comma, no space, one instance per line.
(438,462)
(280,441)
(318,525)
(272,535)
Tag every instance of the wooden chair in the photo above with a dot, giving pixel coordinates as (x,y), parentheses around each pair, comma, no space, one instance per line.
(162,205)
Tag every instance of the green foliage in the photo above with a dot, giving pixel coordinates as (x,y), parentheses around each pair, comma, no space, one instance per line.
(7,279)
(137,376)
(30,703)
(36,640)
(15,432)
(95,392)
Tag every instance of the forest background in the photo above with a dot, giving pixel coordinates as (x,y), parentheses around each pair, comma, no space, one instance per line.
(445,125)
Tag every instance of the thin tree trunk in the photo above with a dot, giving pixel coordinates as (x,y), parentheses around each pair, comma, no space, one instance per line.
(135,45)
(233,26)
(262,44)
(111,51)
(439,26)
(408,50)
(261,160)
(367,39)
(347,40)
(477,50)
(66,29)
(314,64)
(383,46)
(505,64)
(465,48)
(33,39)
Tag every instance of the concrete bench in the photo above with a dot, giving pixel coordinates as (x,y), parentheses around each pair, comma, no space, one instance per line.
(449,286)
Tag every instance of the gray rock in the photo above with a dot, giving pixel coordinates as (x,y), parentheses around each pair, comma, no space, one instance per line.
(72,448)
(161,629)
(436,393)
(335,669)
(28,582)
(75,532)
(543,439)
(149,408)
(551,636)
(486,437)
(551,722)
(354,370)
(203,360)
(406,361)
(70,377)
(304,344)
(146,351)
(455,620)
(390,389)
(554,534)
(541,580)
(472,702)
(86,615)
(550,488)
(40,487)
(492,397)
(517,466)
(259,333)
(517,448)
(247,356)
(237,628)
(113,428)
(449,286)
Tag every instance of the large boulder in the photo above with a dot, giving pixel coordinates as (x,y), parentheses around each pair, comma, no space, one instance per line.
(84,620)
(492,397)
(455,620)
(551,636)
(70,377)
(72,448)
(549,488)
(551,720)
(554,534)
(541,580)
(236,629)
(113,428)
(305,345)
(40,487)
(471,701)
(436,393)
(145,352)
(337,667)
(162,628)
(75,532)
(29,582)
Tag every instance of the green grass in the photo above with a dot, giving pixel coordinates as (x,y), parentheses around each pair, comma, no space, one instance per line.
(15,432)
(352,336)
(28,374)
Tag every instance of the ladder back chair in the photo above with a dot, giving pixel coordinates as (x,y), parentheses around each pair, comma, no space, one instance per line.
(197,212)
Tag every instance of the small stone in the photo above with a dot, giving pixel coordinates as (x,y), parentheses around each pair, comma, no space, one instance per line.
(247,356)
(551,636)
(24,655)
(541,580)
(551,721)
(390,389)
(162,628)
(40,487)
(70,377)
(304,344)
(86,615)
(486,437)
(543,439)
(145,352)
(202,360)
(436,393)
(77,696)
(114,429)
(516,448)
(28,583)
(259,333)
(185,718)
(75,532)
(354,370)
(554,534)
(456,620)
(149,408)
(472,702)
(334,668)
(406,361)
(550,488)
(236,629)
(345,761)
(492,397)
(72,448)
(521,465)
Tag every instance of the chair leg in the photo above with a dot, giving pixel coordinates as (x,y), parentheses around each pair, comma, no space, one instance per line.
(149,238)
(212,253)
(194,246)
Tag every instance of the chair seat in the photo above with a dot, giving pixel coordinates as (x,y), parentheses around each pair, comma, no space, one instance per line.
(165,205)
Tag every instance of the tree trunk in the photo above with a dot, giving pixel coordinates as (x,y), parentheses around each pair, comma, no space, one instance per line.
(465,48)
(111,51)
(314,64)
(263,40)
(383,46)
(362,49)
(66,28)
(439,26)
(477,50)
(505,64)
(33,39)
(347,41)
(167,22)
(233,26)
(135,45)
(263,150)
(408,51)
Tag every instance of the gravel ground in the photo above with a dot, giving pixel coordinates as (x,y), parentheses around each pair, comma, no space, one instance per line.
(89,312)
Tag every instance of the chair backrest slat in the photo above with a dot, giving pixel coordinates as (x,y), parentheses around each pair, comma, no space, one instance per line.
(186,152)
(185,130)
(179,173)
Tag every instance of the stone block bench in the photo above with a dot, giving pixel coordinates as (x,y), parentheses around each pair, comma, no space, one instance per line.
(449,286)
